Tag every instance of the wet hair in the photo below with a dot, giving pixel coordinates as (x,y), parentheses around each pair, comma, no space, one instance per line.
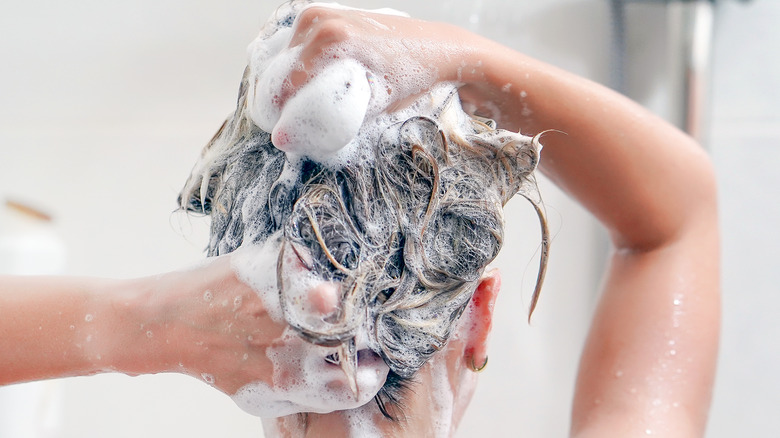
(407,228)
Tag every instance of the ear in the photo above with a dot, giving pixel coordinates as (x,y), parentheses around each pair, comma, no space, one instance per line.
(480,310)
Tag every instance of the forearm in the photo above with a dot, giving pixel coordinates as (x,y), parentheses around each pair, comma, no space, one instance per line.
(649,360)
(640,176)
(57,327)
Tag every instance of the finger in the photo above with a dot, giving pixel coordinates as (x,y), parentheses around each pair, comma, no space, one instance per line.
(325,298)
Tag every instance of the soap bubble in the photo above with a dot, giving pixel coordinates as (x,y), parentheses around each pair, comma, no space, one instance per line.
(208,378)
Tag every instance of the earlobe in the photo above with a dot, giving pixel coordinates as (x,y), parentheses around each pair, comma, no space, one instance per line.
(481,310)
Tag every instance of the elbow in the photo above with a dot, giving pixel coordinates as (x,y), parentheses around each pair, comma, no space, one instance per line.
(685,208)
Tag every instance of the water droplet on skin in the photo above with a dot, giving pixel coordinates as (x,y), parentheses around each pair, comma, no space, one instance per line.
(672,352)
(208,378)
(207,296)
(677,302)
(149,334)
(72,327)
(246,356)
(648,432)
(619,373)
(88,317)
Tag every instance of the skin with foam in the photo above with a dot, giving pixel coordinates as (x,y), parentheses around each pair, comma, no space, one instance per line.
(323,117)
(302,380)
(439,395)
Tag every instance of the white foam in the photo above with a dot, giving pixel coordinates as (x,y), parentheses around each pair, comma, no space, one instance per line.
(442,397)
(361,422)
(326,118)
(303,382)
(325,115)
(255,265)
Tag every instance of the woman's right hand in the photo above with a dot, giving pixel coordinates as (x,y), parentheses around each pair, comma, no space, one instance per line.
(209,323)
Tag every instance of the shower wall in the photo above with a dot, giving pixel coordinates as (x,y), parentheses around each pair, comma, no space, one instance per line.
(745,146)
(104,108)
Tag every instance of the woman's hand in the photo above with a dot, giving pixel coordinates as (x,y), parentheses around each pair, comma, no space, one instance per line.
(206,322)
(405,56)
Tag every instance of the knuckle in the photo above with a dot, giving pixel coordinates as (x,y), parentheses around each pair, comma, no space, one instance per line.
(324,24)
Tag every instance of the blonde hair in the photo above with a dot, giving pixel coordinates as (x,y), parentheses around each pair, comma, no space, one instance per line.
(407,232)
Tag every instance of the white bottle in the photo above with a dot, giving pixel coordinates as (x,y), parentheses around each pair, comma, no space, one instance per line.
(29,244)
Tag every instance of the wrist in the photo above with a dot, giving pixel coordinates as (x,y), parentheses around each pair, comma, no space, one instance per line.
(494,80)
(135,339)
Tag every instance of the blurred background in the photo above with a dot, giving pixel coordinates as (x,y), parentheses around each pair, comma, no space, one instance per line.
(104,107)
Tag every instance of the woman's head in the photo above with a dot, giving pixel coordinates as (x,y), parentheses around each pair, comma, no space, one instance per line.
(404,226)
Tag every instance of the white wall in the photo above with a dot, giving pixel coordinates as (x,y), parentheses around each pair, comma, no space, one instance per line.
(745,144)
(104,107)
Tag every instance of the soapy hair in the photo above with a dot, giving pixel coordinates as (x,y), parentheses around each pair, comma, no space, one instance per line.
(407,229)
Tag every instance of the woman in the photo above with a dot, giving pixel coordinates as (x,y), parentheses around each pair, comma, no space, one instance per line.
(649,184)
